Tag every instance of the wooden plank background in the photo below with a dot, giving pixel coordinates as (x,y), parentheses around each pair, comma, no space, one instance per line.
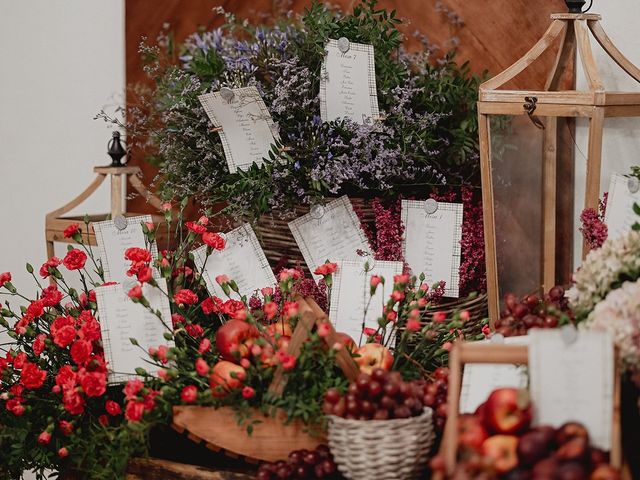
(492,34)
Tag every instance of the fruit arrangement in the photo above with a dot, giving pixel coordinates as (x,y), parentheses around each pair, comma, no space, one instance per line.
(317,463)
(498,442)
(533,311)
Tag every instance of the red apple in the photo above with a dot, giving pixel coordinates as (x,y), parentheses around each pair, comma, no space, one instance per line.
(502,450)
(372,356)
(346,341)
(532,447)
(507,411)
(545,469)
(471,433)
(605,472)
(569,431)
(230,339)
(571,471)
(576,449)
(280,328)
(226,376)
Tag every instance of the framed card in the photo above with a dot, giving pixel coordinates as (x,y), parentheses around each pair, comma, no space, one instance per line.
(121,319)
(480,379)
(431,241)
(348,82)
(242,260)
(351,294)
(114,237)
(573,381)
(619,215)
(330,232)
(247,130)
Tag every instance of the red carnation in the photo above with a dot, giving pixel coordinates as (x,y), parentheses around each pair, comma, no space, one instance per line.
(196,227)
(235,309)
(211,305)
(189,394)
(44,438)
(71,230)
(35,309)
(326,269)
(202,367)
(74,259)
(113,408)
(136,254)
(73,402)
(4,278)
(195,330)
(66,377)
(64,336)
(94,384)
(66,427)
(132,388)
(145,274)
(81,351)
(90,330)
(51,296)
(32,377)
(135,292)
(185,297)
(63,452)
(134,411)
(39,344)
(214,240)
(53,262)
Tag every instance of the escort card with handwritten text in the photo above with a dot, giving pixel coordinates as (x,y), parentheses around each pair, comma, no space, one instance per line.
(351,300)
(247,129)
(331,232)
(242,260)
(121,319)
(431,241)
(113,242)
(348,83)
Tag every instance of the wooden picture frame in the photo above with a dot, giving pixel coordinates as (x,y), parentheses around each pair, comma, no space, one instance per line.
(476,352)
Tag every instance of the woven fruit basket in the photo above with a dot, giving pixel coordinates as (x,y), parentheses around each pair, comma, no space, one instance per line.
(382,449)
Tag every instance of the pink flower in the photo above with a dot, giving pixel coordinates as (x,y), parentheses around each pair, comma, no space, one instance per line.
(213,240)
(326,269)
(270,310)
(44,438)
(202,367)
(439,317)
(189,394)
(248,392)
(413,325)
(134,411)
(289,362)
(222,279)
(465,315)
(290,309)
(53,262)
(211,305)
(113,408)
(205,345)
(397,296)
(4,278)
(132,388)
(486,330)
(166,206)
(392,316)
(63,452)
(375,281)
(135,292)
(71,230)
(195,227)
(203,220)
(324,329)
(266,291)
(369,332)
(447,346)
(401,279)
(185,297)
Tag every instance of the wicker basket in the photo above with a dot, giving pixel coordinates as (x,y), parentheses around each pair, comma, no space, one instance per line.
(382,449)
(475,304)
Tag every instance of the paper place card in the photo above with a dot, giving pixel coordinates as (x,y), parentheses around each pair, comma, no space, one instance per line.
(348,82)
(431,241)
(242,260)
(573,382)
(619,215)
(351,293)
(121,319)
(480,379)
(114,238)
(331,232)
(247,129)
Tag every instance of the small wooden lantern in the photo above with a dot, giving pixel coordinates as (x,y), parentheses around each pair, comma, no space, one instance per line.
(539,227)
(56,221)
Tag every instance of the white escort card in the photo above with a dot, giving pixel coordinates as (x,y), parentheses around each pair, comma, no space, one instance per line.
(351,294)
(242,260)
(348,82)
(431,241)
(480,379)
(573,380)
(619,215)
(330,232)
(114,237)
(121,319)
(247,130)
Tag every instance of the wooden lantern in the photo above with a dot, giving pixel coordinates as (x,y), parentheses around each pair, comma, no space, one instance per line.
(57,221)
(571,32)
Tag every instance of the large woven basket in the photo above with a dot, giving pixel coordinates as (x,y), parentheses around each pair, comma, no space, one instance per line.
(382,449)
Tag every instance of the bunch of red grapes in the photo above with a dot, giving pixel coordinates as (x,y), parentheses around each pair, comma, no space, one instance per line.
(316,463)
(532,311)
(385,395)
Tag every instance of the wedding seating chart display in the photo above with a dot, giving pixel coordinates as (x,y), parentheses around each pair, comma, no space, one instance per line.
(351,294)
(348,82)
(431,241)
(330,232)
(623,193)
(114,237)
(242,260)
(121,319)
(573,381)
(245,125)
(480,379)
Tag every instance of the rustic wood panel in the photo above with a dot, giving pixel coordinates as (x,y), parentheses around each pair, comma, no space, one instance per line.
(492,35)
